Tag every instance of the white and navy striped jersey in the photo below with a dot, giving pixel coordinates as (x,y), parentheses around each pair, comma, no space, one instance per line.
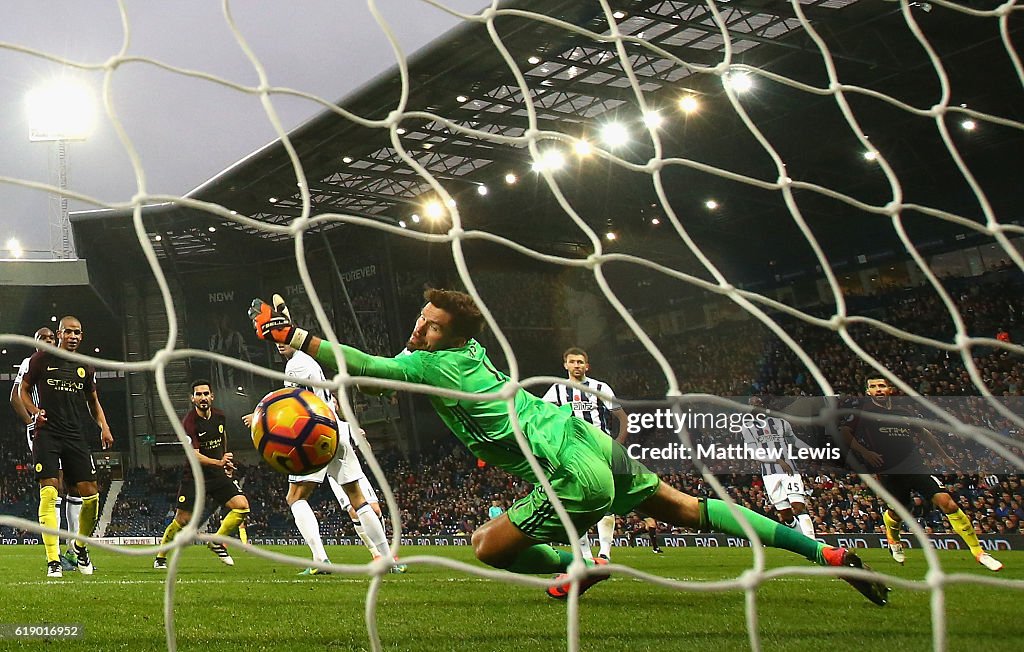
(589,407)
(22,370)
(776,437)
(303,367)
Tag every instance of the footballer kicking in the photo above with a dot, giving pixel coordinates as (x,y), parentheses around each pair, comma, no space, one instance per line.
(590,472)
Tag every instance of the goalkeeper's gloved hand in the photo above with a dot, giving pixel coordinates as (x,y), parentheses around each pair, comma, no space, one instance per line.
(272,325)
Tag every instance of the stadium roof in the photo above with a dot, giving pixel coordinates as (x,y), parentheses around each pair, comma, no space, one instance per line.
(577,86)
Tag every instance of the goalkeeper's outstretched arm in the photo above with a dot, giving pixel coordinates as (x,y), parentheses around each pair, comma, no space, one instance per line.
(275,326)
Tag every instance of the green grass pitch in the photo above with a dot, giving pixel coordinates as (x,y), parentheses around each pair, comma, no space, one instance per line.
(261,605)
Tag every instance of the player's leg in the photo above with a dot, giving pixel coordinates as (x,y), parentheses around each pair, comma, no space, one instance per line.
(652,533)
(585,547)
(79,471)
(227,492)
(959,521)
(346,505)
(901,488)
(347,472)
(185,501)
(73,514)
(46,454)
(803,519)
(605,536)
(305,519)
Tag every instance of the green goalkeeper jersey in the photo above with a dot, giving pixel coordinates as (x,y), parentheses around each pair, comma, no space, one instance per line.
(484,426)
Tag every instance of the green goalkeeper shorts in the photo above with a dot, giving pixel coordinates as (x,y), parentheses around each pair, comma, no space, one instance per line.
(596,476)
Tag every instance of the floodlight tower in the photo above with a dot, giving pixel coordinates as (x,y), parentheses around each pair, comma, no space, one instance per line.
(60,111)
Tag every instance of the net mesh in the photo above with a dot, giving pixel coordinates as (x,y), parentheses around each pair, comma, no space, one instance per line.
(638,63)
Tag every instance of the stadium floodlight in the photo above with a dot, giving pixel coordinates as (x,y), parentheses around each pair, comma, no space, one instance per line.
(482,190)
(610,236)
(15,248)
(711,204)
(415,218)
(346,159)
(653,119)
(619,15)
(61,109)
(511,178)
(551,159)
(688,103)
(433,209)
(272,200)
(212,229)
(533,60)
(400,131)
(655,221)
(582,148)
(614,134)
(462,99)
(402,224)
(870,155)
(969,125)
(740,82)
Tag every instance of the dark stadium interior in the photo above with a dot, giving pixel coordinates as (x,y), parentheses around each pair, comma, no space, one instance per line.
(370,282)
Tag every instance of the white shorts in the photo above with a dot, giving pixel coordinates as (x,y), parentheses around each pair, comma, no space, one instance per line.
(368,493)
(344,468)
(784,489)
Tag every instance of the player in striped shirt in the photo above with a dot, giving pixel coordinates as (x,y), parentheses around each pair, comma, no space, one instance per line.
(589,472)
(782,482)
(596,411)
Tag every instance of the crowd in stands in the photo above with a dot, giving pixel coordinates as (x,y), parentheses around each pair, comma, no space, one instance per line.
(445,491)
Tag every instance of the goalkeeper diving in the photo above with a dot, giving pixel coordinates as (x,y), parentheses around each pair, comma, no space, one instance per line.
(590,472)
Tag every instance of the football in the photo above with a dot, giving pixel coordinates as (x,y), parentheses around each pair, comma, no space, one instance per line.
(294,431)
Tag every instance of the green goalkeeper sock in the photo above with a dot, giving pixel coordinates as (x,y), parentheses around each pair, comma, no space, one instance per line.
(541,559)
(716,515)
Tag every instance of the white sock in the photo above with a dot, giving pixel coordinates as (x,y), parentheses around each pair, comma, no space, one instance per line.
(806,525)
(361,531)
(306,521)
(588,554)
(374,530)
(605,534)
(72,509)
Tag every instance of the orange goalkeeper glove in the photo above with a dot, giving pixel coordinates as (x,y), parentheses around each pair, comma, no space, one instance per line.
(276,327)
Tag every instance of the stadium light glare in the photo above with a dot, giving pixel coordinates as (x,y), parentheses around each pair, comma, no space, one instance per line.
(158,237)
(402,224)
(614,134)
(969,125)
(688,103)
(870,155)
(433,209)
(14,246)
(346,159)
(551,159)
(482,190)
(534,60)
(740,82)
(415,218)
(61,109)
(711,204)
(618,15)
(273,200)
(510,178)
(96,350)
(462,99)
(53,318)
(610,236)
(582,148)
(400,131)
(653,119)
(655,221)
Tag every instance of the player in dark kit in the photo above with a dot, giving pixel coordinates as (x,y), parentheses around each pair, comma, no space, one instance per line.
(64,388)
(206,427)
(890,449)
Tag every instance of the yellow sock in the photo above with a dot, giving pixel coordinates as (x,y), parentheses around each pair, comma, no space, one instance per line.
(232,522)
(242,534)
(87,519)
(169,534)
(962,526)
(892,527)
(48,518)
